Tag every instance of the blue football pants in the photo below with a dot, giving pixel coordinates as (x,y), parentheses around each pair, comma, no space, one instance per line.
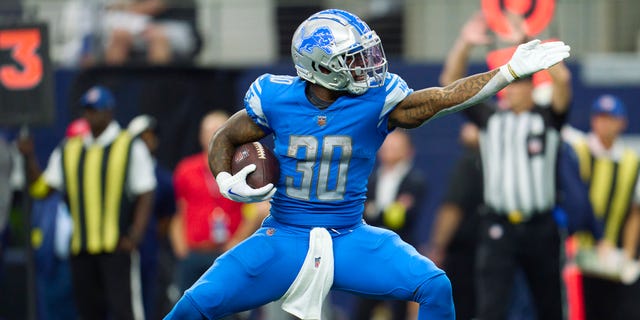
(369,261)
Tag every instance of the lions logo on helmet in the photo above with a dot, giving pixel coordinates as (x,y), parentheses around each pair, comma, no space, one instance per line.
(337,50)
(321,38)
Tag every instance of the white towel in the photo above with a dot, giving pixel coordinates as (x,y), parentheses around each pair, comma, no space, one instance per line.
(307,292)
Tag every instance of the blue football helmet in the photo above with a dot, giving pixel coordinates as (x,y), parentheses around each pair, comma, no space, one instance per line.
(337,50)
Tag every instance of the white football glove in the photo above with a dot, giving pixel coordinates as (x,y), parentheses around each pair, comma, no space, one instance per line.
(532,57)
(235,187)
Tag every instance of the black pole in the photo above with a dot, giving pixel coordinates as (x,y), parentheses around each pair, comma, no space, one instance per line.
(28,246)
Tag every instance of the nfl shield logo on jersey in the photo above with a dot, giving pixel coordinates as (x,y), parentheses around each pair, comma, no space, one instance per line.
(322,120)
(535,146)
(317,261)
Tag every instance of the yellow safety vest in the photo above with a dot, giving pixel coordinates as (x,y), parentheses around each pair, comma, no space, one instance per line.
(94,179)
(611,187)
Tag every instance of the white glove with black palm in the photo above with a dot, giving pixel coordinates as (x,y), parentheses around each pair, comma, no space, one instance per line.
(235,187)
(534,56)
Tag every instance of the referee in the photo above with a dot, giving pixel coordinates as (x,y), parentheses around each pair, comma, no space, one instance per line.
(519,146)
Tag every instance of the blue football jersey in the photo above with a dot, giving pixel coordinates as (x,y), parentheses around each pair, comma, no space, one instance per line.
(326,155)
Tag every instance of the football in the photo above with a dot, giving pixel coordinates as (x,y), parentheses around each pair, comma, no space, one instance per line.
(267,166)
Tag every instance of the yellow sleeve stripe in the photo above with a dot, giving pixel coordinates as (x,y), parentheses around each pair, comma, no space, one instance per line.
(92,192)
(71,159)
(625,185)
(601,187)
(584,158)
(115,183)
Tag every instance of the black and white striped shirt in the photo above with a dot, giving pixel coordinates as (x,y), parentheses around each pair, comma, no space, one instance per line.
(519,153)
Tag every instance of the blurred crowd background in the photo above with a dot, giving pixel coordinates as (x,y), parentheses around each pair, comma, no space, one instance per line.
(416,31)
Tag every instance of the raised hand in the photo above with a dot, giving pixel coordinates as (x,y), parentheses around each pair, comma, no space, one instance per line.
(534,56)
(517,29)
(474,31)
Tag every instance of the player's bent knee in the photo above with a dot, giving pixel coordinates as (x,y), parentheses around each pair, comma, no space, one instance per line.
(435,297)
(184,309)
(441,283)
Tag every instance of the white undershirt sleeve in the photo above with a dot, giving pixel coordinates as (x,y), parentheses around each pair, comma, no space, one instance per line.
(141,176)
(53,173)
(497,83)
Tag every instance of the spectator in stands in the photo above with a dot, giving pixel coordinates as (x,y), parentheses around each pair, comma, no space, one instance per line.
(107,180)
(156,258)
(163,30)
(394,195)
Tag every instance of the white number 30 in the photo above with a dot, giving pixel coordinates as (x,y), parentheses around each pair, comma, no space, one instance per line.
(330,144)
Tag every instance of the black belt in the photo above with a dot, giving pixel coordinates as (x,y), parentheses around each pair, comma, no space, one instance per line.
(516,216)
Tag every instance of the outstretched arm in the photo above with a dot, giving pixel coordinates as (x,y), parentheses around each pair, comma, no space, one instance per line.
(426,104)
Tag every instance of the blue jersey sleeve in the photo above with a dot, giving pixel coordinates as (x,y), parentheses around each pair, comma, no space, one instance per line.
(253,103)
(395,90)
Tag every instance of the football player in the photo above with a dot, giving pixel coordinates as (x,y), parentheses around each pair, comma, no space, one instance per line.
(327,124)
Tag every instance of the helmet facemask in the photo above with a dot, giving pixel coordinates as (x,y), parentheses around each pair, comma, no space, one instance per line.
(366,67)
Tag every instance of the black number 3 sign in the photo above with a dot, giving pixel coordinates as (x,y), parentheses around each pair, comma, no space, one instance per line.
(23,45)
(25,76)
